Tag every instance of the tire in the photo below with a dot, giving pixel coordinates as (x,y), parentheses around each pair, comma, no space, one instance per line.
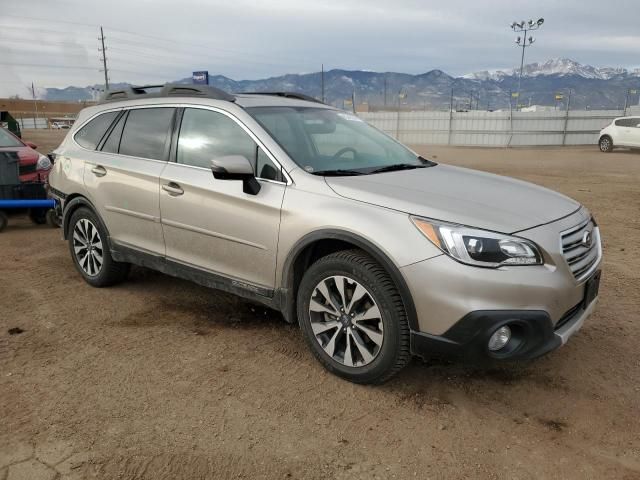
(364,350)
(95,263)
(605,144)
(38,216)
(4,220)
(53,220)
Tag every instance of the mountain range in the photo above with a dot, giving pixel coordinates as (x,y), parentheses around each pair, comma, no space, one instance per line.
(590,87)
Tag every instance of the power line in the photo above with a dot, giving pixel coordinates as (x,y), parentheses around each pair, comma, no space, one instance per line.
(69,67)
(172,41)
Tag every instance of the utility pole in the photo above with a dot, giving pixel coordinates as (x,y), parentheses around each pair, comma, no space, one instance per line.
(104,61)
(566,119)
(524,42)
(322,82)
(385,89)
(35,105)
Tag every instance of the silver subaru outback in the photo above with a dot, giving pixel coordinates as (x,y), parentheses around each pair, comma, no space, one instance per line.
(376,252)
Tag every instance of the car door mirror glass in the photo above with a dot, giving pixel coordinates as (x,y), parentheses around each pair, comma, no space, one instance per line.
(236,167)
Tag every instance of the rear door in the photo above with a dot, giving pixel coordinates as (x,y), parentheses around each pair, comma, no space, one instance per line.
(212,224)
(634,136)
(624,132)
(123,174)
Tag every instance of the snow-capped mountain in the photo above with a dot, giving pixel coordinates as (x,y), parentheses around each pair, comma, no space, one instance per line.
(555,66)
(596,88)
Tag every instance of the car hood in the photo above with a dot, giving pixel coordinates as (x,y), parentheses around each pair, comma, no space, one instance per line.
(459,195)
(26,155)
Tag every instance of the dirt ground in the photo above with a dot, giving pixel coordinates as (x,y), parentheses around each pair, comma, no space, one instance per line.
(162,379)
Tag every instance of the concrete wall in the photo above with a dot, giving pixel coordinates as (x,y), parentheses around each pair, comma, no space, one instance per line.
(576,127)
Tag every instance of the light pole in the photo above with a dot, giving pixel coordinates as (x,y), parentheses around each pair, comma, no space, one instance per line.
(524,42)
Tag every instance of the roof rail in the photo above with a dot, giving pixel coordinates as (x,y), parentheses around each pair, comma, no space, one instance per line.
(295,95)
(166,90)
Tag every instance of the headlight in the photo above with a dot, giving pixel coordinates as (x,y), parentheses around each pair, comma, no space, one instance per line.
(478,247)
(43,163)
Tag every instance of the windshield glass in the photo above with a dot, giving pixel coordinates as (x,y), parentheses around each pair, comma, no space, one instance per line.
(8,140)
(321,141)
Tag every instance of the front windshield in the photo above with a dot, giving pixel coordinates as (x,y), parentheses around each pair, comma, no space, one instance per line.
(8,140)
(324,141)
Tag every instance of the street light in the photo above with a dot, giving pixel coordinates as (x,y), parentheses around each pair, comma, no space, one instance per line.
(524,42)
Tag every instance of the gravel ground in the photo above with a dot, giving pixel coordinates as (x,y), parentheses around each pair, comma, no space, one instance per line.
(162,379)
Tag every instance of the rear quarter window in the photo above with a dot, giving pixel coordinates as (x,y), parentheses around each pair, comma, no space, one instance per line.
(91,133)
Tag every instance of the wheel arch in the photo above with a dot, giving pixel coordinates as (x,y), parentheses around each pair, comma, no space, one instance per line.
(317,244)
(72,203)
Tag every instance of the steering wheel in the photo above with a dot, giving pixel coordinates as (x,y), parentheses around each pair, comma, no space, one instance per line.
(344,150)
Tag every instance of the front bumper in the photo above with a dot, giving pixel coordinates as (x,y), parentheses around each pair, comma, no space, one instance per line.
(533,334)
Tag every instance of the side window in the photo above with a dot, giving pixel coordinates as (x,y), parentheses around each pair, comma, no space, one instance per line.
(627,122)
(112,143)
(146,133)
(635,122)
(205,135)
(89,136)
(266,169)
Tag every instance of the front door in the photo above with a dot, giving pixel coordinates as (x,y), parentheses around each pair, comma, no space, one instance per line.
(212,224)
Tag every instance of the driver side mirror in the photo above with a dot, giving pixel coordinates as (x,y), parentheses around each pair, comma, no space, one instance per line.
(31,145)
(236,167)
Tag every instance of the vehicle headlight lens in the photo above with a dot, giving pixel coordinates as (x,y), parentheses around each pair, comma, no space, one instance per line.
(478,247)
(43,163)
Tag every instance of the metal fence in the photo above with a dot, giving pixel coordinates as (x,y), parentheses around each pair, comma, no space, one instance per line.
(573,127)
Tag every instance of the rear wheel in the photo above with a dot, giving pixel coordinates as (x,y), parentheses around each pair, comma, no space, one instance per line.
(605,144)
(353,317)
(38,216)
(88,243)
(4,220)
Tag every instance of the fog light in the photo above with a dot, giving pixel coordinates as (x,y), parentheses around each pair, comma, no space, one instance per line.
(499,338)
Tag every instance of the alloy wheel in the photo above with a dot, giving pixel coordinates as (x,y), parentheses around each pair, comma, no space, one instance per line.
(346,321)
(87,246)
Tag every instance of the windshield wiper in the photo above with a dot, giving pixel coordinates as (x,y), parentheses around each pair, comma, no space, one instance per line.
(397,166)
(338,173)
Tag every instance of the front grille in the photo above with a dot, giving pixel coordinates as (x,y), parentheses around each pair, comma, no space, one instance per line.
(580,253)
(31,168)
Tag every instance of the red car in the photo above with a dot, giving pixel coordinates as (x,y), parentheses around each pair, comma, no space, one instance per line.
(34,167)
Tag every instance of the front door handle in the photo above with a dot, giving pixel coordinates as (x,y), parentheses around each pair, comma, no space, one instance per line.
(99,171)
(173,189)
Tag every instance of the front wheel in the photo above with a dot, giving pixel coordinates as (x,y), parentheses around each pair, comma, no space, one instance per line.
(605,144)
(353,317)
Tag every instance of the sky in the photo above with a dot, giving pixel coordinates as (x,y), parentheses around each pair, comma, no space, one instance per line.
(54,43)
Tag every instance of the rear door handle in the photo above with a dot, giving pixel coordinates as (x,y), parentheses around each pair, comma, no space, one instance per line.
(173,189)
(99,171)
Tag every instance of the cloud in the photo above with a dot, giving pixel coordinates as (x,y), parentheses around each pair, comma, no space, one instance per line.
(55,43)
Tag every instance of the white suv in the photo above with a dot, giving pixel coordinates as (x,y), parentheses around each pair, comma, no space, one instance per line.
(622,132)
